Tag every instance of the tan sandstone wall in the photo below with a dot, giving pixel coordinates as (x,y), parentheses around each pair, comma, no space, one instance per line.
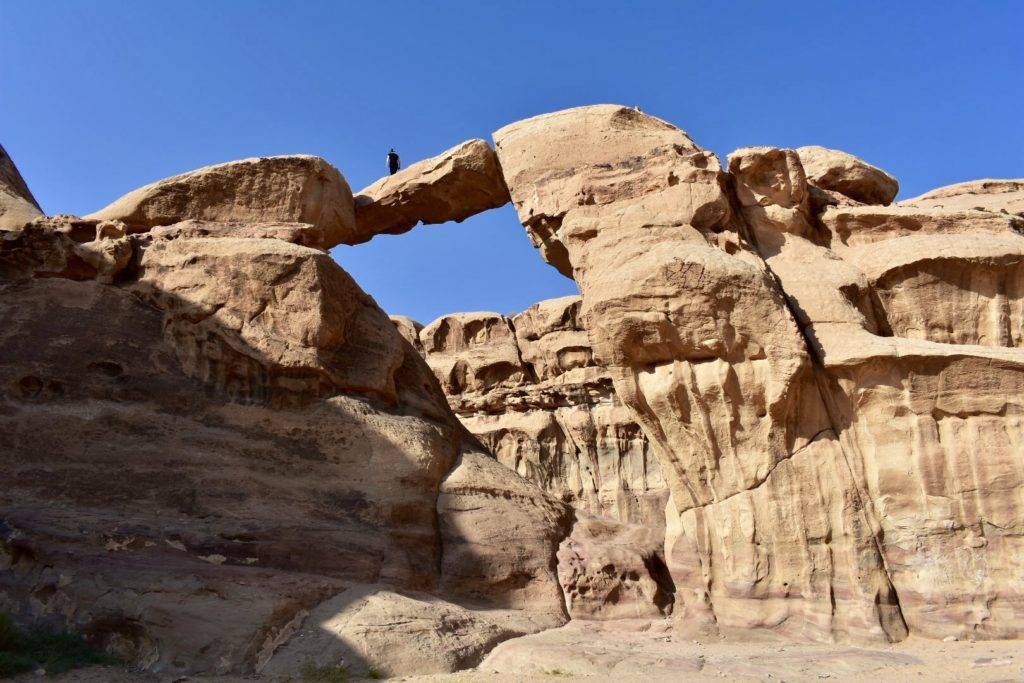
(843,454)
(529,389)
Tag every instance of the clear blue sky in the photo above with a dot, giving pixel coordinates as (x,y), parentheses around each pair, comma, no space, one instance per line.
(97,98)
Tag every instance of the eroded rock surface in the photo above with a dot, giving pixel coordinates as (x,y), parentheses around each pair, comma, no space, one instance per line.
(837,171)
(17,205)
(209,434)
(611,570)
(529,389)
(220,456)
(456,184)
(800,438)
(1005,196)
(304,191)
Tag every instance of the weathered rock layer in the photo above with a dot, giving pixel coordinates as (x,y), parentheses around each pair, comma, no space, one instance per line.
(824,469)
(529,389)
(796,406)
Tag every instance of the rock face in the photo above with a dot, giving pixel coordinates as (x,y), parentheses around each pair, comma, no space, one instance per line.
(373,631)
(304,191)
(831,169)
(529,389)
(611,570)
(454,185)
(1005,196)
(823,469)
(219,455)
(17,205)
(208,440)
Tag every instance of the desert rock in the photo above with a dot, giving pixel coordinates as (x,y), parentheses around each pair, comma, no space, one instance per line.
(302,190)
(912,331)
(17,205)
(373,631)
(611,570)
(244,436)
(500,535)
(702,347)
(529,389)
(454,185)
(831,169)
(984,195)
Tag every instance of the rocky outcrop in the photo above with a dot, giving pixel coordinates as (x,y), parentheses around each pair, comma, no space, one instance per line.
(801,440)
(210,436)
(456,184)
(836,171)
(305,193)
(371,631)
(923,391)
(17,205)
(1004,196)
(611,570)
(220,456)
(528,388)
(497,531)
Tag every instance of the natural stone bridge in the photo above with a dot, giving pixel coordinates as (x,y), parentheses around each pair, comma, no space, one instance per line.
(815,392)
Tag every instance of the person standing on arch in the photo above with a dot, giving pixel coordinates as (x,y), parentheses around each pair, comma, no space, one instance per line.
(394,163)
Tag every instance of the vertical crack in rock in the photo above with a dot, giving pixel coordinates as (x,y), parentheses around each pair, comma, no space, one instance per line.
(864,502)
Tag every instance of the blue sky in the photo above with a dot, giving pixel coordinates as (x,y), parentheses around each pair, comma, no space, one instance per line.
(97,98)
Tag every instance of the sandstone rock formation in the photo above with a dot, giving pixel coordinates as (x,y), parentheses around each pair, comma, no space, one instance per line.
(794,408)
(17,205)
(1005,196)
(529,389)
(208,439)
(611,570)
(815,484)
(836,171)
(452,186)
(304,191)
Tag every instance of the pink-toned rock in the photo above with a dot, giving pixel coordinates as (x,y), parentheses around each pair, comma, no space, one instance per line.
(611,570)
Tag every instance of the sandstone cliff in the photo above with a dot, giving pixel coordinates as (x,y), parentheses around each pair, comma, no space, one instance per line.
(841,451)
(529,389)
(796,404)
(212,440)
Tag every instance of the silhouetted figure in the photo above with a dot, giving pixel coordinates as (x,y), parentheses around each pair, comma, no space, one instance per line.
(394,163)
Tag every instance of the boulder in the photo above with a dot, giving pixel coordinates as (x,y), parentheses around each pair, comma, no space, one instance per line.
(1004,196)
(832,169)
(500,536)
(611,570)
(302,190)
(17,205)
(456,184)
(373,632)
(597,155)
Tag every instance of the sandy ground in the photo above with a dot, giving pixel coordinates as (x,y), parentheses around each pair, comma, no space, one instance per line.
(649,652)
